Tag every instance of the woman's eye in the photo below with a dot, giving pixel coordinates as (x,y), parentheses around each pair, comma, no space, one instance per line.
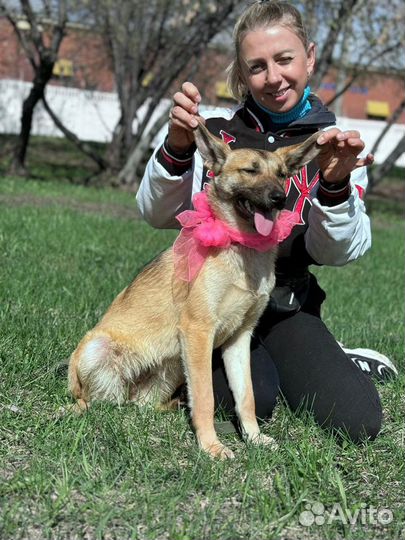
(255,68)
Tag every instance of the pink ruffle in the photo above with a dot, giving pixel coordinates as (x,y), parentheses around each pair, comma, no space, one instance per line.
(202,230)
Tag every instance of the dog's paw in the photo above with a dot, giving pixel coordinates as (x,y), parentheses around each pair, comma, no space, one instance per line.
(264,440)
(77,408)
(172,405)
(221,451)
(218,451)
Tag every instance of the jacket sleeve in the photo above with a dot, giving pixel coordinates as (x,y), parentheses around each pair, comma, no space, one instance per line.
(161,196)
(339,234)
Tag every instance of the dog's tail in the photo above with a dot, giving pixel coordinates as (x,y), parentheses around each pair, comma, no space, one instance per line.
(97,372)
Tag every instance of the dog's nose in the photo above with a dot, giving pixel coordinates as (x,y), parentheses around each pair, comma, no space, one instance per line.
(278,199)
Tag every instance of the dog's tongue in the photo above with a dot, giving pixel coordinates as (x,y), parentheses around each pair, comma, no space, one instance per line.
(263,224)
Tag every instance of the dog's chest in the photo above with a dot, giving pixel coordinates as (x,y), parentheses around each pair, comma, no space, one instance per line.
(253,271)
(245,292)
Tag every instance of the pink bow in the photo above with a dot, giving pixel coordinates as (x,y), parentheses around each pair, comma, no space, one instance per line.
(202,230)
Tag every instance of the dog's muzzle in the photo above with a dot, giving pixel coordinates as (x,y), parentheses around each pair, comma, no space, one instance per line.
(277,199)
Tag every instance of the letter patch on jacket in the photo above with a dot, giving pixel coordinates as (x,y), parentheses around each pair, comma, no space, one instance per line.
(226,137)
(302,191)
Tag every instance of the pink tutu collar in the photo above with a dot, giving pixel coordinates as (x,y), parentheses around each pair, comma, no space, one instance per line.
(201,230)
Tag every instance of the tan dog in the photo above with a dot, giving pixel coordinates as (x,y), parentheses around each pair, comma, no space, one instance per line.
(158,328)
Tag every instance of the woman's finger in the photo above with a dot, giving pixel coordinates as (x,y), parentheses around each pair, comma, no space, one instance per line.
(191,91)
(364,162)
(182,118)
(181,100)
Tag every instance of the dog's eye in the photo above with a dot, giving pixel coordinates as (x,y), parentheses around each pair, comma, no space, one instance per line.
(249,170)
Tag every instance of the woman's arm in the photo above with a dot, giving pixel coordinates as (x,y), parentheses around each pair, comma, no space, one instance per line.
(162,194)
(340,233)
(173,172)
(338,226)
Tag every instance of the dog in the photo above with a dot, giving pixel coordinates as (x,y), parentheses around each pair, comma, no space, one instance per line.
(160,331)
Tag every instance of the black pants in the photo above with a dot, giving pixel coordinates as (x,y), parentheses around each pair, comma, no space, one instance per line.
(295,354)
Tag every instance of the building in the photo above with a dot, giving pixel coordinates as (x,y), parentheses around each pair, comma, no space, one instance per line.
(83,60)
(84,63)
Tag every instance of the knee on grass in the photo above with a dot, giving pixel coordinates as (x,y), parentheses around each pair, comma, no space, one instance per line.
(358,427)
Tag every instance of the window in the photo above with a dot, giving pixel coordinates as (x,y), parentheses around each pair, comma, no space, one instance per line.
(378,109)
(63,68)
(222,90)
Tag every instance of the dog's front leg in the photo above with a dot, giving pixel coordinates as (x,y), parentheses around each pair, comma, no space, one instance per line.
(236,356)
(196,344)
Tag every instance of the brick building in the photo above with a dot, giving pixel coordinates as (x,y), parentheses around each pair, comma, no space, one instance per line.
(374,96)
(84,63)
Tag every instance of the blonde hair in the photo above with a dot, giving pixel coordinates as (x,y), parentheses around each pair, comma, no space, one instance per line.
(262,14)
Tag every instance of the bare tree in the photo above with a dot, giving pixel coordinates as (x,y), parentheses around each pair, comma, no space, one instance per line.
(379,172)
(41,42)
(362,36)
(152,43)
(338,15)
(354,37)
(374,39)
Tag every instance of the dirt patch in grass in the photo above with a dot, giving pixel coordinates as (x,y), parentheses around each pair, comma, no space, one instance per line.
(389,190)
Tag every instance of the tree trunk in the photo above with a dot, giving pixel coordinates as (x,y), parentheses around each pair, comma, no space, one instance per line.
(81,145)
(377,174)
(394,117)
(116,149)
(35,95)
(42,58)
(131,171)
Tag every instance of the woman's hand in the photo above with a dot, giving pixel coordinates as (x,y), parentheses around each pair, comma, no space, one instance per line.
(184,118)
(339,154)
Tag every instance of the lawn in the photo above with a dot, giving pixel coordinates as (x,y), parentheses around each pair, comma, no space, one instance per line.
(129,473)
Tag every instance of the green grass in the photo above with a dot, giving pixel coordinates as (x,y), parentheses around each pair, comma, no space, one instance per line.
(133,473)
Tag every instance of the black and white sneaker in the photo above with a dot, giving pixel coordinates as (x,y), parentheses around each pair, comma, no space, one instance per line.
(373,363)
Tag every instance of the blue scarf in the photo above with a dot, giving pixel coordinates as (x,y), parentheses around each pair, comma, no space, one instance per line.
(298,111)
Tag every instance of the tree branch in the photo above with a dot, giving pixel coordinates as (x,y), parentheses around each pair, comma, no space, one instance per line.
(35,34)
(359,70)
(325,61)
(23,41)
(394,117)
(377,174)
(82,146)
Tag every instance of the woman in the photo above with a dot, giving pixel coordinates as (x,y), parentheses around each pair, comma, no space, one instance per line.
(292,350)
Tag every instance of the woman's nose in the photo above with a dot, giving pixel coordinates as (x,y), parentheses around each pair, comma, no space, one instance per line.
(273,75)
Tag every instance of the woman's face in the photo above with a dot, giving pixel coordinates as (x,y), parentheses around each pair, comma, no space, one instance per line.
(276,67)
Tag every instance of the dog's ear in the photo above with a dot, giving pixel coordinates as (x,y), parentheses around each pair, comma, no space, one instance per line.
(295,157)
(213,151)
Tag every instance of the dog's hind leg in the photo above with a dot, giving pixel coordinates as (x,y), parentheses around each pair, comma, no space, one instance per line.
(98,370)
(158,385)
(171,381)
(236,356)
